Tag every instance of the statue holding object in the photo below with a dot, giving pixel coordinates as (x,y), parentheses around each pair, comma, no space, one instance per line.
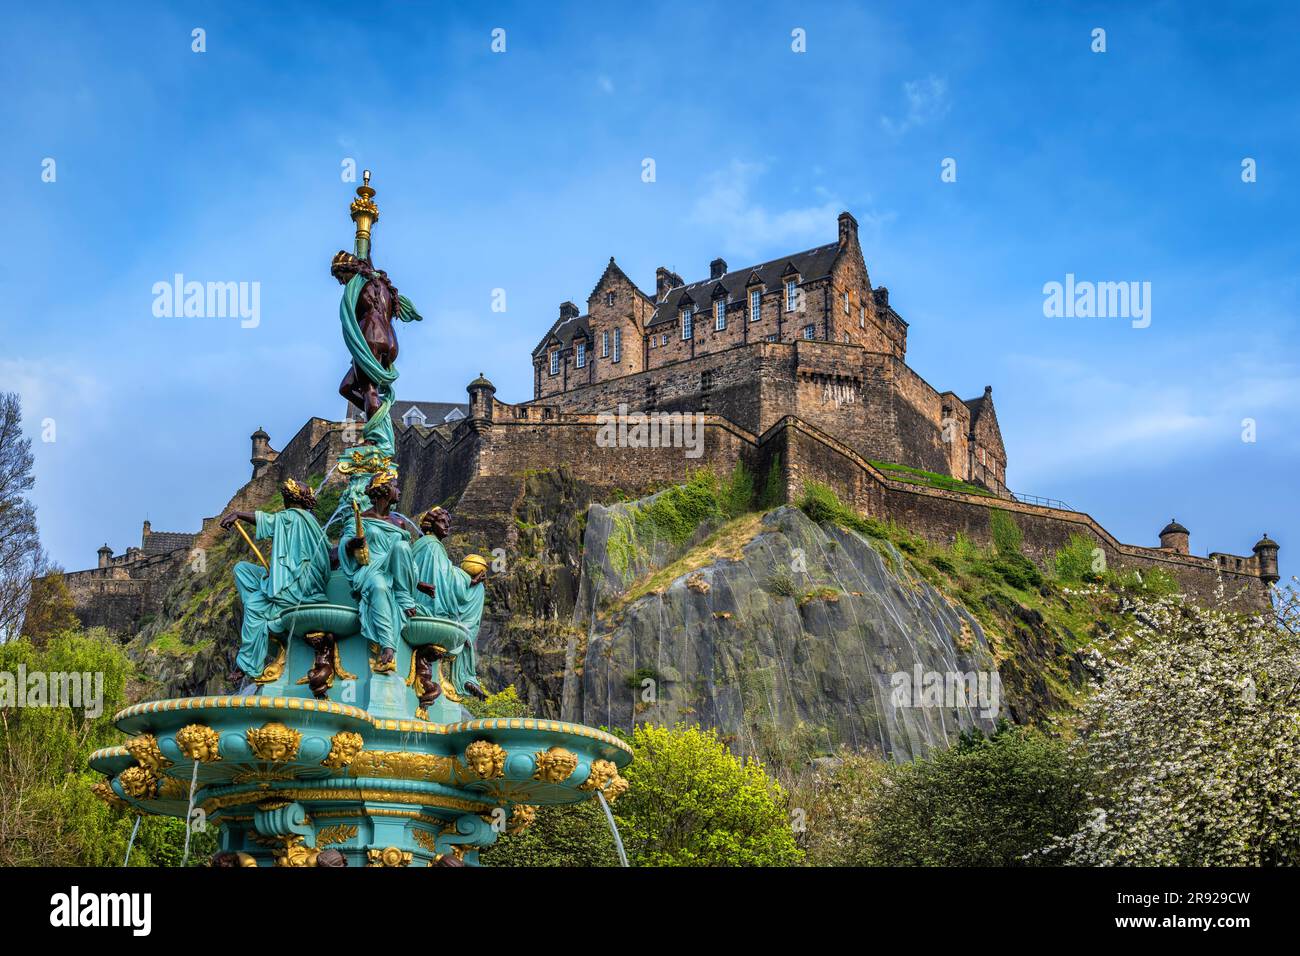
(450,592)
(385,586)
(296,573)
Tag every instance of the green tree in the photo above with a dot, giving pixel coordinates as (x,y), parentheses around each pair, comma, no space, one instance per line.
(48,814)
(986,801)
(691,802)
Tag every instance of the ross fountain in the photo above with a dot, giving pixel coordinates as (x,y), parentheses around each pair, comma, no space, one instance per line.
(349,743)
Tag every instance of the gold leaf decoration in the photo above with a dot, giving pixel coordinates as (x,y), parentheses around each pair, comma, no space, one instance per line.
(555,765)
(344,747)
(274,742)
(486,759)
(198,742)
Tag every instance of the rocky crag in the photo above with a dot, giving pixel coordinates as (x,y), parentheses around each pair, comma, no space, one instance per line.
(785,627)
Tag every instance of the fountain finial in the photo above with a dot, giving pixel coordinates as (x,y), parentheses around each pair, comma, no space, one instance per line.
(365,214)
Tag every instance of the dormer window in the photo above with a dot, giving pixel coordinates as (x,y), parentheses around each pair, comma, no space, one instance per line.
(791,294)
(581,355)
(688,321)
(413,416)
(555,361)
(719,315)
(755,304)
(618,345)
(604,344)
(609,298)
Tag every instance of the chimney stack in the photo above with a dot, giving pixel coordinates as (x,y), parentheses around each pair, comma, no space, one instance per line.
(717,268)
(848,228)
(568,311)
(665,281)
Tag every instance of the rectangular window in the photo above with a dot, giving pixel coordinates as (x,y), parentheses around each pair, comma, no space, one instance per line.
(755,304)
(555,362)
(791,295)
(719,315)
(688,320)
(582,355)
(862,316)
(771,337)
(663,339)
(618,345)
(604,345)
(846,303)
(808,331)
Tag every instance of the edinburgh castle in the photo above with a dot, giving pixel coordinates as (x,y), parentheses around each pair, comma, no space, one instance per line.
(794,368)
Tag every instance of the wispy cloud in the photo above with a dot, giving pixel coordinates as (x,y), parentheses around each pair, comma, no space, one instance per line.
(745,225)
(927,101)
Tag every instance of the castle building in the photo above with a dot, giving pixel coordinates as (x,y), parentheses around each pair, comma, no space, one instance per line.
(689,347)
(795,368)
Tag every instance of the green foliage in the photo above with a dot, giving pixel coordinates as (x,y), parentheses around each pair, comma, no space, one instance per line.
(1006,534)
(504,703)
(821,504)
(987,801)
(773,493)
(48,814)
(782,584)
(691,802)
(573,835)
(1078,563)
(930,479)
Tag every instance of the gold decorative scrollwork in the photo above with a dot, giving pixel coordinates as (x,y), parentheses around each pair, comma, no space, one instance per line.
(144,748)
(274,742)
(486,759)
(344,746)
(403,765)
(377,666)
(198,742)
(338,833)
(427,840)
(389,856)
(555,765)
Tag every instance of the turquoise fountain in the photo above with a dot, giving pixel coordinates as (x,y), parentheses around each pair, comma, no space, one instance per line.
(349,743)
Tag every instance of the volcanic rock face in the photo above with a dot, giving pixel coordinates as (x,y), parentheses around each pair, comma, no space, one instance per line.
(804,637)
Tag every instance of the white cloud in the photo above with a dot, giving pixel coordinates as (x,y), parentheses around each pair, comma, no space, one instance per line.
(1085,421)
(927,100)
(747,227)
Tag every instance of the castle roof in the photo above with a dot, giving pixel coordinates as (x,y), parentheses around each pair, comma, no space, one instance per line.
(564,331)
(1173,528)
(810,264)
(165,542)
(981,405)
(435,413)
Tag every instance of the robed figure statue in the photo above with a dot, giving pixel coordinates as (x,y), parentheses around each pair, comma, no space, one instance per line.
(456,595)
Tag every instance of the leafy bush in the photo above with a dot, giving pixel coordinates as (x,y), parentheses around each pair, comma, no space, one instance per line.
(987,801)
(504,703)
(691,802)
(1078,562)
(573,835)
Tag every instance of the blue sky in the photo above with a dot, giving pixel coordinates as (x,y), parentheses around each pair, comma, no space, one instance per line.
(522,171)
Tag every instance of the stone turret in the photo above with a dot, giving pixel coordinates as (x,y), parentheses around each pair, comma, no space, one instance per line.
(105,555)
(481,393)
(1266,554)
(263,453)
(1173,537)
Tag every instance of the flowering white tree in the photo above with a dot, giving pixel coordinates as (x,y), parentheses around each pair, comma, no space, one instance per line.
(1194,738)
